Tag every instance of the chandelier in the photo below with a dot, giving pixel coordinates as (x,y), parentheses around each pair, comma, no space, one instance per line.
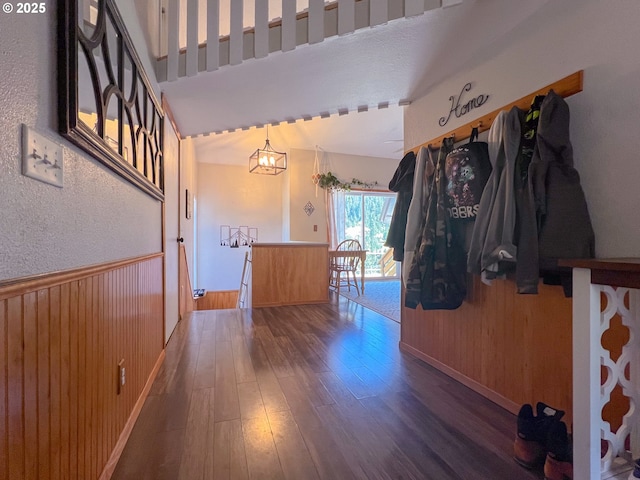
(267,161)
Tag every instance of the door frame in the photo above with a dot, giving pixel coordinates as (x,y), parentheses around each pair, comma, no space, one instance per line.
(169,116)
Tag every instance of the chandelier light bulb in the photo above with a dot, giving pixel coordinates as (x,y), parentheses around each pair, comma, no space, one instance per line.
(267,160)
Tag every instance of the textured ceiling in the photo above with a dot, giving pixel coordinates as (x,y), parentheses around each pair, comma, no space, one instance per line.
(377,133)
(384,65)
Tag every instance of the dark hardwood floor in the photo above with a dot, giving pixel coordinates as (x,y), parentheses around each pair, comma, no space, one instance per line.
(310,392)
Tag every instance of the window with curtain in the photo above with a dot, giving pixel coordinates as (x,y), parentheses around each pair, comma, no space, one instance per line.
(364,216)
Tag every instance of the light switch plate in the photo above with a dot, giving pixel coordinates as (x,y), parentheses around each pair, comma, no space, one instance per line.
(41,158)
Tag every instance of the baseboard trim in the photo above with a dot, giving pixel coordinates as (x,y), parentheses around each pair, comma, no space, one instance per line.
(126,432)
(474,385)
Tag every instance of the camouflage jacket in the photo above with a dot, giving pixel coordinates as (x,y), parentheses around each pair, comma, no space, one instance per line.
(437,277)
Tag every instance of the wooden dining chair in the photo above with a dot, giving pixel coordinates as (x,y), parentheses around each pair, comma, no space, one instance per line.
(346,265)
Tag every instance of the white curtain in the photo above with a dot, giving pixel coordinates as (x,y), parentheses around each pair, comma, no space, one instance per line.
(335,216)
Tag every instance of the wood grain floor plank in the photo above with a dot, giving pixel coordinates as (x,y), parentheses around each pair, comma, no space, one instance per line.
(300,355)
(278,360)
(250,399)
(223,331)
(192,463)
(161,450)
(311,392)
(419,449)
(241,358)
(205,374)
(226,458)
(227,406)
(327,455)
(336,357)
(262,457)
(272,395)
(362,462)
(298,397)
(342,395)
(292,451)
(453,437)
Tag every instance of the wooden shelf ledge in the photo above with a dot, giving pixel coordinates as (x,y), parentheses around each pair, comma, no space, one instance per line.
(617,272)
(565,87)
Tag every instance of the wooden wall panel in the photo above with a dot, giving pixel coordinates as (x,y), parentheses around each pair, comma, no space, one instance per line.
(289,274)
(185,293)
(218,300)
(61,337)
(512,348)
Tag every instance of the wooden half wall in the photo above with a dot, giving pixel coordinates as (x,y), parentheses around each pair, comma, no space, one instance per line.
(512,348)
(62,336)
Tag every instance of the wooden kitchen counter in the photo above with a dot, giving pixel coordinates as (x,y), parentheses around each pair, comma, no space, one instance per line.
(289,273)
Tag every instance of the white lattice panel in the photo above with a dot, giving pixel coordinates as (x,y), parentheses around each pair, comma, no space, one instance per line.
(615,372)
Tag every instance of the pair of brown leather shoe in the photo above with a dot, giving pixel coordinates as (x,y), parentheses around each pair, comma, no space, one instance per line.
(542,438)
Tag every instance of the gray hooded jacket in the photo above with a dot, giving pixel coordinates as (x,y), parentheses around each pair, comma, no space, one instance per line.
(553,214)
(492,241)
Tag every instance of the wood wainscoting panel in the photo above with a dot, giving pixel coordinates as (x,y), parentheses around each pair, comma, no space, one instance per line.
(292,273)
(512,348)
(185,293)
(218,300)
(61,338)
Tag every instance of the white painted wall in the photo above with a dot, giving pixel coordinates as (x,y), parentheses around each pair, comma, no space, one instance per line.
(601,38)
(97,216)
(302,191)
(345,167)
(188,176)
(230,195)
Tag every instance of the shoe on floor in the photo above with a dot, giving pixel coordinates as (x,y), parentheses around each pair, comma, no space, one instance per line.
(530,446)
(636,470)
(559,462)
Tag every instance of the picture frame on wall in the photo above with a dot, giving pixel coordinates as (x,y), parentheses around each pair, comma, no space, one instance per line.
(188,206)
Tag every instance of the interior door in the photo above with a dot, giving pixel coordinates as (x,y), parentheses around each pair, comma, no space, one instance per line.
(171,226)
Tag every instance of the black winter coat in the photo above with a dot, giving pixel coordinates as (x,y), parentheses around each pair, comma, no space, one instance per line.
(402,183)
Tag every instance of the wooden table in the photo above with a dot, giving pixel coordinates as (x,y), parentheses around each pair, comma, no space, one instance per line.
(361,254)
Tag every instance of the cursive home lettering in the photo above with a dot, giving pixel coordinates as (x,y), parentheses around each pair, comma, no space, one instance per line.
(459,109)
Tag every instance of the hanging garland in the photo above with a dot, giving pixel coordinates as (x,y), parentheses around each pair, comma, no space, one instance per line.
(328,181)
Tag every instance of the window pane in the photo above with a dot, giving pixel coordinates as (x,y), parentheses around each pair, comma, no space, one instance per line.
(375,228)
(371,231)
(353,217)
